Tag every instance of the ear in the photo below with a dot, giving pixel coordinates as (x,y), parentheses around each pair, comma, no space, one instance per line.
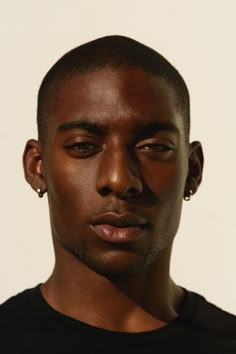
(33,166)
(195,169)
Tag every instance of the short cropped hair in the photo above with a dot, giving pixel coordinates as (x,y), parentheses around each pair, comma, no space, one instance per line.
(115,51)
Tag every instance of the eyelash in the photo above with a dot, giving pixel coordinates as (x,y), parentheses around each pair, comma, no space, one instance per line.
(155,147)
(81,145)
(87,149)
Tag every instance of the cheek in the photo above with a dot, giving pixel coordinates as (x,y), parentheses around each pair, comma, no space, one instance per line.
(167,183)
(166,180)
(69,193)
(70,182)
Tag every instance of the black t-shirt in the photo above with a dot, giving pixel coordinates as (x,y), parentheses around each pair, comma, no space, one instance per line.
(28,325)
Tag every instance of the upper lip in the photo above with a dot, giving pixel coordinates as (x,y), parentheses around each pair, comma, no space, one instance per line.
(119,220)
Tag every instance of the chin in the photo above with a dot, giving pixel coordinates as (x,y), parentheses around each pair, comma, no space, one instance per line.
(116,264)
(113,270)
(119,261)
(111,264)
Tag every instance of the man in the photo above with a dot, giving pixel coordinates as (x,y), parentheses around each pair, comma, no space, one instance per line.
(113,156)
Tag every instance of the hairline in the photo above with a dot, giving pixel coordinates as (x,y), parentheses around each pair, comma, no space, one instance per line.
(63,76)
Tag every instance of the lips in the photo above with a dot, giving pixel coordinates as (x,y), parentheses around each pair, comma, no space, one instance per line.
(119,228)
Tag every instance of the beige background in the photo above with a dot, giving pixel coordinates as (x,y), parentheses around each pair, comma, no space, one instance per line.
(198,37)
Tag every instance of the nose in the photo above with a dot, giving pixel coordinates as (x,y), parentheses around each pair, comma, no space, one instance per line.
(119,175)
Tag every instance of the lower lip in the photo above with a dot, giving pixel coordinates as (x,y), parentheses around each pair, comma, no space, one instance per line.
(114,234)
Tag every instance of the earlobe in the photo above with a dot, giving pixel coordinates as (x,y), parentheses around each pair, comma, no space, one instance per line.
(195,168)
(33,165)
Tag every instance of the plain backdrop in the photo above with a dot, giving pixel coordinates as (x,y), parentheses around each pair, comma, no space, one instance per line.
(198,37)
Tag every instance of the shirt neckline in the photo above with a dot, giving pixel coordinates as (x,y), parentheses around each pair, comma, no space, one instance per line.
(41,309)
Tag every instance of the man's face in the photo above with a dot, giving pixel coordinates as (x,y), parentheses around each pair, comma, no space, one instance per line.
(115,163)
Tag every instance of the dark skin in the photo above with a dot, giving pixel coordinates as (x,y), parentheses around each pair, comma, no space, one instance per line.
(116,165)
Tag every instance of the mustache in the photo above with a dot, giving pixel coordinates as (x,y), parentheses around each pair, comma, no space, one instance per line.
(116,208)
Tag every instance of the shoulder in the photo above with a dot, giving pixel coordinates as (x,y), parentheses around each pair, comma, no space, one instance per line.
(16,308)
(17,299)
(208,317)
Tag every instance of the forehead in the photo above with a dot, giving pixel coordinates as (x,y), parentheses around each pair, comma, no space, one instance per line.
(115,97)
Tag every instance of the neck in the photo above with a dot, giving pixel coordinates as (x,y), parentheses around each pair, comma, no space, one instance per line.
(133,304)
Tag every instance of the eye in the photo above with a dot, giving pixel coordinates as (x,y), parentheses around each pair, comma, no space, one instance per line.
(83,149)
(82,146)
(154,147)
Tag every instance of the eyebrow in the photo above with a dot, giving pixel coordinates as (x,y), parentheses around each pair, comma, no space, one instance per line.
(84,125)
(155,127)
(140,129)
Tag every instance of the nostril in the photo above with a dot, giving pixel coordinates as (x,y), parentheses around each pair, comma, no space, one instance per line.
(119,178)
(132,191)
(129,192)
(105,191)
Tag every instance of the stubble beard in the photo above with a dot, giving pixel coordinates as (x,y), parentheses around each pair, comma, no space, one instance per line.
(105,266)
